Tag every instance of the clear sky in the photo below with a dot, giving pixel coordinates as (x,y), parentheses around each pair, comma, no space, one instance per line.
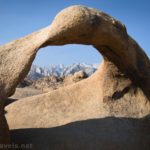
(21,17)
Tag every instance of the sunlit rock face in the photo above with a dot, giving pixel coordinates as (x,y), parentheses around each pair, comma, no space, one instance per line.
(118,91)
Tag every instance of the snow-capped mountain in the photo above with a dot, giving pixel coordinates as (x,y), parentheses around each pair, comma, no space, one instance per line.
(61,70)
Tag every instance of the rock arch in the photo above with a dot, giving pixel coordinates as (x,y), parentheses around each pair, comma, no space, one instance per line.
(119,88)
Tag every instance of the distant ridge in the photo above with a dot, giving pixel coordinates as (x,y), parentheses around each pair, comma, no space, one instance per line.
(61,70)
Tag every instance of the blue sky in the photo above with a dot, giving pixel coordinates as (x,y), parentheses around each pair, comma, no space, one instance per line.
(21,17)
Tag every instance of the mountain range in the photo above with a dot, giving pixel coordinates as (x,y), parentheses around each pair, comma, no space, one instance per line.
(61,70)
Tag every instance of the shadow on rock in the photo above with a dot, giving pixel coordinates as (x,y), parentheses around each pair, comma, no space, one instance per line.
(107,134)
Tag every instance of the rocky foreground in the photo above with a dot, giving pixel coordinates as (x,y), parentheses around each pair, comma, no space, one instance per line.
(109,110)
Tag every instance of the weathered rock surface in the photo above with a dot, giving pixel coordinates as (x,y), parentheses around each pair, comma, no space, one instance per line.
(120,88)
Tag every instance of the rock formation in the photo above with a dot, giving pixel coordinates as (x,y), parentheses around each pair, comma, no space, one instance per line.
(15,61)
(120,88)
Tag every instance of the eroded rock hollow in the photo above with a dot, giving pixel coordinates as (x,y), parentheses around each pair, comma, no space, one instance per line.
(118,94)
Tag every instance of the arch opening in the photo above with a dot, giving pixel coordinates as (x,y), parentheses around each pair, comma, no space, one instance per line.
(57,66)
(67,55)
